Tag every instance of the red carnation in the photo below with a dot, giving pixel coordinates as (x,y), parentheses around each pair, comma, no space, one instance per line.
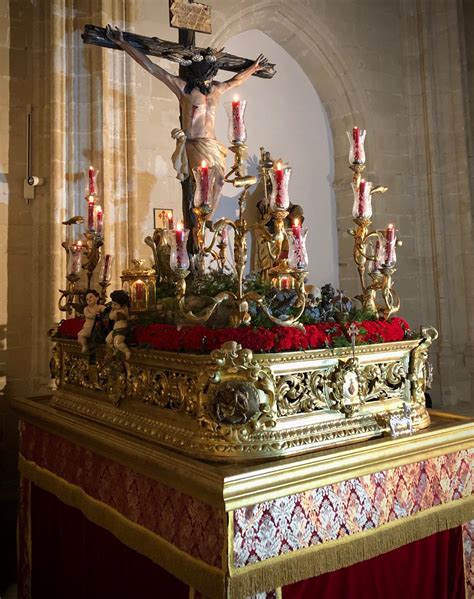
(70,328)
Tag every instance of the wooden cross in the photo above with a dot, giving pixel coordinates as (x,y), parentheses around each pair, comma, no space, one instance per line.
(175,52)
(189,17)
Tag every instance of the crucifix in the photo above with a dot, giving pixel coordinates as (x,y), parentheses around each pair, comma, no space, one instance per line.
(197,92)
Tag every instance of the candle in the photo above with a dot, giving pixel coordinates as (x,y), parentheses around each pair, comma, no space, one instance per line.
(106,274)
(99,220)
(362,207)
(296,228)
(356,140)
(378,255)
(139,290)
(362,197)
(297,253)
(279,181)
(390,257)
(179,233)
(237,131)
(224,235)
(236,119)
(90,213)
(204,174)
(280,178)
(170,220)
(91,181)
(179,257)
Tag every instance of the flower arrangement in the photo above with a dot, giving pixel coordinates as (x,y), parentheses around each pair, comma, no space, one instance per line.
(201,339)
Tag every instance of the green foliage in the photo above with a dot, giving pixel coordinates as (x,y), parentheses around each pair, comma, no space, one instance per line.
(169,305)
(340,341)
(165,289)
(258,286)
(360,315)
(212,283)
(259,318)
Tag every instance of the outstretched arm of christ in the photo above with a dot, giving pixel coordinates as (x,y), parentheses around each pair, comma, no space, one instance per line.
(174,83)
(243,76)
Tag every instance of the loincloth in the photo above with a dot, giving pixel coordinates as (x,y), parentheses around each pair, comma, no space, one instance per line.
(210,150)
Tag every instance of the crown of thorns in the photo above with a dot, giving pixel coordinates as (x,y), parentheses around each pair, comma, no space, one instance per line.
(193,55)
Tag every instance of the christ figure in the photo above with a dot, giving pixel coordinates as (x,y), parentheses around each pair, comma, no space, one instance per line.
(198,96)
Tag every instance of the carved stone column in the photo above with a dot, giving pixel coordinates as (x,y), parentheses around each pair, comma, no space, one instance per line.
(440,186)
(83,113)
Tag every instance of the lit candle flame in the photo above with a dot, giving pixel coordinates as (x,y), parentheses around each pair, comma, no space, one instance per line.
(279,165)
(79,243)
(296,222)
(90,199)
(236,97)
(203,164)
(179,226)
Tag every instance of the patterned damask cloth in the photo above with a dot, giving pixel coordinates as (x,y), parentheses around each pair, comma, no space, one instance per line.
(283,525)
(468,542)
(187,523)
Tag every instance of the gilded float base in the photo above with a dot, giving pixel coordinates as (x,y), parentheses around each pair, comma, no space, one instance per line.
(235,405)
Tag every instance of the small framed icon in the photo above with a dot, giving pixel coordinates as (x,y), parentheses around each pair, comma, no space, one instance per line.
(163,218)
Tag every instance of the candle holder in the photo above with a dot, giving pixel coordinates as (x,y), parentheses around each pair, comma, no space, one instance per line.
(204,178)
(362,207)
(221,256)
(140,284)
(178,240)
(297,253)
(70,298)
(92,252)
(238,173)
(239,300)
(356,146)
(237,131)
(374,251)
(389,294)
(280,178)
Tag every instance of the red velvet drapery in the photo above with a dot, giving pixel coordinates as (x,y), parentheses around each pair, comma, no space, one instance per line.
(74,558)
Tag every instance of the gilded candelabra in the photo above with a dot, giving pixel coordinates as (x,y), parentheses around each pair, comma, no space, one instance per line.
(72,297)
(239,300)
(374,249)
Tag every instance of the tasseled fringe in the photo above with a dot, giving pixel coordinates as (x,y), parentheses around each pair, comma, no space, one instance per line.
(262,576)
(208,579)
(333,555)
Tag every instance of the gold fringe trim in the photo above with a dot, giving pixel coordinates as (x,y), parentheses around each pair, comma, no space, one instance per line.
(333,555)
(208,579)
(270,574)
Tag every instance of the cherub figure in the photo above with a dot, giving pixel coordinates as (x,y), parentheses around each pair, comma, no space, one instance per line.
(198,96)
(120,314)
(92,309)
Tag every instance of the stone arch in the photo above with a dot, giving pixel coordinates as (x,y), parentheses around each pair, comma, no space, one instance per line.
(315,49)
